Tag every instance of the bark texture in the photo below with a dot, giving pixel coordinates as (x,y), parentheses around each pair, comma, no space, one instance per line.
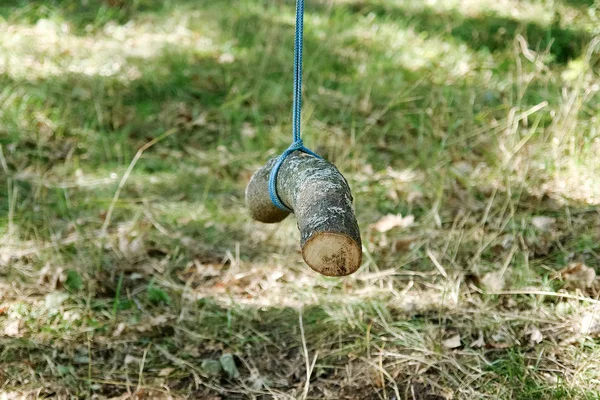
(320,197)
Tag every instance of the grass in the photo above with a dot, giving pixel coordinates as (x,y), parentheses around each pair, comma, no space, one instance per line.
(478,118)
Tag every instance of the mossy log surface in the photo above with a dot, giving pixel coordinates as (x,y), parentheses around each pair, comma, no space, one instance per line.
(320,198)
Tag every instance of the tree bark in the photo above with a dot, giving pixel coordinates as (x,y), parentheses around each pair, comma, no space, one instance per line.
(320,197)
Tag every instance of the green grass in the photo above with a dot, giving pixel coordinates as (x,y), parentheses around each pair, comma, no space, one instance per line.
(476,117)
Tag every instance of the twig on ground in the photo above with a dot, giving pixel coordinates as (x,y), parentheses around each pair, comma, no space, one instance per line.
(126,176)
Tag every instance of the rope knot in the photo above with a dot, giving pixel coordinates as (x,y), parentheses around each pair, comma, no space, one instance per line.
(297,144)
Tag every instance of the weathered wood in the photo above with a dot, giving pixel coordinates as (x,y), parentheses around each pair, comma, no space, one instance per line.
(321,200)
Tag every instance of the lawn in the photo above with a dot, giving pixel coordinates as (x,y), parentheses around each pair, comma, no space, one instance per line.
(129,264)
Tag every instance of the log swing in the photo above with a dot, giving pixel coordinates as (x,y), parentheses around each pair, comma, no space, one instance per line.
(301,182)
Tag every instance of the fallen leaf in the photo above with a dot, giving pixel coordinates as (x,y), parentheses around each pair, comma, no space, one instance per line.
(414,196)
(248,130)
(365,105)
(452,342)
(166,371)
(578,275)
(131,359)
(130,242)
(493,281)
(551,379)
(404,243)
(392,194)
(584,325)
(226,58)
(192,350)
(590,324)
(81,359)
(543,223)
(135,276)
(480,342)
(4,259)
(53,300)
(159,320)
(124,396)
(500,340)
(211,367)
(256,381)
(463,167)
(536,336)
(200,121)
(119,330)
(71,316)
(228,364)
(499,345)
(136,246)
(12,329)
(152,323)
(390,222)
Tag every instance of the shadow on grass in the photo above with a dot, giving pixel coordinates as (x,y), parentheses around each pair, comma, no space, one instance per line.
(266,342)
(580,3)
(489,31)
(268,348)
(178,87)
(221,328)
(85,14)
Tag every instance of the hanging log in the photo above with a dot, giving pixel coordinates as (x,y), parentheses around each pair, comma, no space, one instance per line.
(320,198)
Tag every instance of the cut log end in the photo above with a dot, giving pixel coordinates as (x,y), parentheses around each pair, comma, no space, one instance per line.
(332,254)
(320,197)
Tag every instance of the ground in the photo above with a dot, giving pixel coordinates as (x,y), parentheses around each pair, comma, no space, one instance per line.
(469,132)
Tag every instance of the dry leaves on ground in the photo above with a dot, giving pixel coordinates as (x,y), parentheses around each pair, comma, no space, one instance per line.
(391,221)
(578,275)
(544,224)
(452,342)
(590,324)
(536,336)
(11,329)
(493,281)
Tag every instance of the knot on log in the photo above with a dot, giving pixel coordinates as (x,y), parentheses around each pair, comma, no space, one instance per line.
(320,198)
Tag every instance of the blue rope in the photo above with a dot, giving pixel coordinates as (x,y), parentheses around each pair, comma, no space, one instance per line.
(297,144)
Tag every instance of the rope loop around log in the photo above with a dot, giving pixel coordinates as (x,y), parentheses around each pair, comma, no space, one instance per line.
(298,145)
(312,189)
